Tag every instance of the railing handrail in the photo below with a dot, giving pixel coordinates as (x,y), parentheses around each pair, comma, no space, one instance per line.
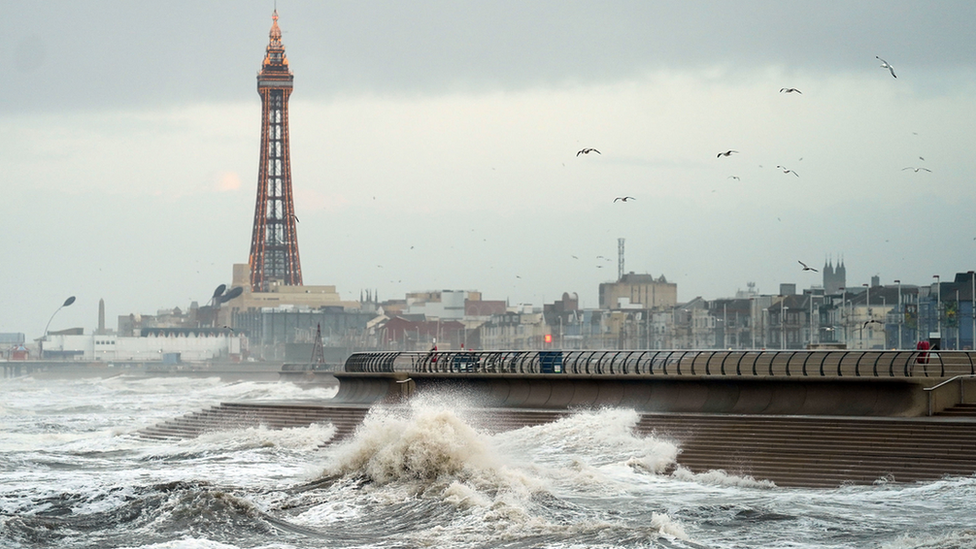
(958,378)
(679,362)
(950,380)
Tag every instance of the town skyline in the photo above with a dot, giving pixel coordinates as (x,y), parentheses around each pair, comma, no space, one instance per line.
(438,148)
(370,296)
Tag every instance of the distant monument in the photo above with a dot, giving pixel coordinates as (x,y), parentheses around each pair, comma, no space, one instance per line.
(101,317)
(274,237)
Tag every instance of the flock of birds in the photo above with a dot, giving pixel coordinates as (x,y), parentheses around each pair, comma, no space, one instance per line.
(784,169)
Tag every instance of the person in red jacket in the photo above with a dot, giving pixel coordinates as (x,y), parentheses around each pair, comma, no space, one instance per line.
(923,356)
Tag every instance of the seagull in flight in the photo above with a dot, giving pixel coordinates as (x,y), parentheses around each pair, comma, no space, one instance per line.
(790,90)
(587,151)
(726,153)
(806,268)
(787,170)
(916,169)
(734,177)
(885,65)
(624,198)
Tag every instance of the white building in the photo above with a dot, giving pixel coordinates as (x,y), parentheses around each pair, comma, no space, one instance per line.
(442,304)
(188,345)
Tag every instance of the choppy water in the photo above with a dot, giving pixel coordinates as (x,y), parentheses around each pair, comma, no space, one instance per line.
(70,476)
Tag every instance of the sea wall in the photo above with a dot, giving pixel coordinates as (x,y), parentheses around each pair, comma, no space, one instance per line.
(883,397)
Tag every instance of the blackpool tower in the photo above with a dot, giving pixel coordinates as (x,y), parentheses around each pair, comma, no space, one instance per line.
(274,238)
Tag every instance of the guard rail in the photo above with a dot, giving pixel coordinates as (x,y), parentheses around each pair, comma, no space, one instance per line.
(788,363)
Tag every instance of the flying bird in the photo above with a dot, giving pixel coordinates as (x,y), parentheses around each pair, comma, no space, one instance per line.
(624,198)
(787,170)
(587,151)
(916,169)
(806,268)
(885,65)
(726,153)
(790,90)
(871,322)
(734,177)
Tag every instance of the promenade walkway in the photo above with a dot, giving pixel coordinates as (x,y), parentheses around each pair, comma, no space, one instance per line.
(804,418)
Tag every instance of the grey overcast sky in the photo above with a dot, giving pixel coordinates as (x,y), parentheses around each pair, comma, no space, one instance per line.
(434,146)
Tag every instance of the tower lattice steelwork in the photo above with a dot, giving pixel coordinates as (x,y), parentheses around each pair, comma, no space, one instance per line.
(274,239)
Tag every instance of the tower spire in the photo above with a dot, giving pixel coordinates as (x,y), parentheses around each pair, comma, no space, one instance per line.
(274,237)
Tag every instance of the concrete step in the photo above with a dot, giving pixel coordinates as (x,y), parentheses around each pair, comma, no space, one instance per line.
(959,410)
(790,451)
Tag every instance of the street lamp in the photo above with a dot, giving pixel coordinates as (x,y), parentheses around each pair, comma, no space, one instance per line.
(867,309)
(938,307)
(782,323)
(972,307)
(900,314)
(752,321)
(67,303)
(843,310)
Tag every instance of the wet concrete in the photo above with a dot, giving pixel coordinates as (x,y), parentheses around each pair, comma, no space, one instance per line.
(883,397)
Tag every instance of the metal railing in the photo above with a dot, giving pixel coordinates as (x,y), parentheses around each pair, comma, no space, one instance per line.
(789,363)
(962,393)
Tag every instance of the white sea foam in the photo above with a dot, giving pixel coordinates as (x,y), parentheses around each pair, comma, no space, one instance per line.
(667,526)
(416,443)
(430,452)
(719,477)
(601,437)
(196,543)
(306,438)
(963,538)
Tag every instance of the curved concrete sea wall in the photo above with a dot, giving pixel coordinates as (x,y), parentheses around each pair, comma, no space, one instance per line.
(780,396)
(797,418)
(830,382)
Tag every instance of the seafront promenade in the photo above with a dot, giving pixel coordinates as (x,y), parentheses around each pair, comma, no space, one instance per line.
(797,418)
(834,382)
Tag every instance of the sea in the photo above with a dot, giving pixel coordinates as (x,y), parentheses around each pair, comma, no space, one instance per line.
(74,474)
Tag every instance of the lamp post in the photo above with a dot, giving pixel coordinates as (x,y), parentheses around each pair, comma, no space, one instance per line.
(867,312)
(938,306)
(67,303)
(901,314)
(782,323)
(843,311)
(972,306)
(884,315)
(752,322)
(957,318)
(810,316)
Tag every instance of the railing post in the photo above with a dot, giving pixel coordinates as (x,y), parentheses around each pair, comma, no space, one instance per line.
(738,363)
(805,359)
